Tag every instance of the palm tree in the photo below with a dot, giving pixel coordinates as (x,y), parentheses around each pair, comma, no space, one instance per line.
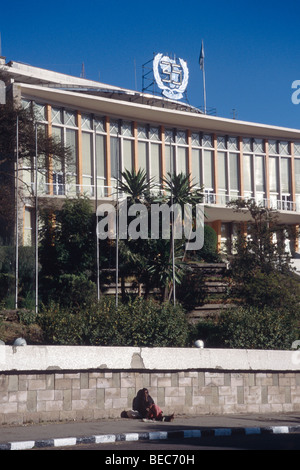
(136,186)
(179,190)
(156,262)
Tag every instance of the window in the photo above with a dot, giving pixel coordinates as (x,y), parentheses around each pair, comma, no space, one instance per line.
(127,146)
(182,166)
(273,174)
(260,173)
(28,227)
(284,148)
(143,148)
(143,157)
(228,168)
(100,157)
(222,173)
(170,151)
(87,163)
(149,152)
(234,174)
(285,176)
(64,128)
(208,170)
(248,175)
(58,166)
(297,175)
(100,163)
(274,181)
(127,155)
(155,162)
(114,157)
(182,152)
(196,167)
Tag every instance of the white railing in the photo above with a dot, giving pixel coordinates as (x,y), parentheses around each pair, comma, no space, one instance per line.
(224,199)
(209,198)
(71,189)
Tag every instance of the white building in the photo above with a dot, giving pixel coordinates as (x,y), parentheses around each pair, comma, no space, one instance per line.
(229,158)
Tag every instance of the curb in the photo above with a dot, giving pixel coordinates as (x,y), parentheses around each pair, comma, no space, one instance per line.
(160,435)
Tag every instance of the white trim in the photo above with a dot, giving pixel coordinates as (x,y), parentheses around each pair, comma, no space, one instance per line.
(142,112)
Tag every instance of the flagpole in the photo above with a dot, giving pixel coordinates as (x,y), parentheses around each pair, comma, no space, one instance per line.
(117,216)
(36,224)
(96,200)
(201,62)
(204,88)
(17,215)
(172,219)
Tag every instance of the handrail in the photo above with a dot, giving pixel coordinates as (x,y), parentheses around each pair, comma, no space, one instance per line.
(209,198)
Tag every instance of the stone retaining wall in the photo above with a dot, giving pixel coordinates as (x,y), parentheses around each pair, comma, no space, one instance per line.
(52,392)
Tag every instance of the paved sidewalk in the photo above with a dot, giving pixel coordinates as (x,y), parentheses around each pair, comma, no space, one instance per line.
(111,430)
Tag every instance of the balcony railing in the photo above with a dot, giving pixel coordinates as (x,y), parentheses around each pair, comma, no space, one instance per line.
(224,199)
(71,189)
(210,198)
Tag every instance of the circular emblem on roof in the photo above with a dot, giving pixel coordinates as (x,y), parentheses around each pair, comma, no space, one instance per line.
(171,76)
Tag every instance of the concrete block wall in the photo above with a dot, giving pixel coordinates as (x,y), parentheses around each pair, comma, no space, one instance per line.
(53,394)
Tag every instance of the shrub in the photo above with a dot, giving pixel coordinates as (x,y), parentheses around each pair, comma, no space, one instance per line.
(274,290)
(27,317)
(60,325)
(140,322)
(209,250)
(75,290)
(251,327)
(147,323)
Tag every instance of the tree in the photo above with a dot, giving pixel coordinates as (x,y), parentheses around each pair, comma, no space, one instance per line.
(263,248)
(151,261)
(67,246)
(133,253)
(261,270)
(136,186)
(179,190)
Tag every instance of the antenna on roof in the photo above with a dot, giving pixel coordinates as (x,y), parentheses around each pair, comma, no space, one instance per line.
(234,113)
(82,75)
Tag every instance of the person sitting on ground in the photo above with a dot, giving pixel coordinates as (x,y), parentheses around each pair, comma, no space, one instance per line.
(144,404)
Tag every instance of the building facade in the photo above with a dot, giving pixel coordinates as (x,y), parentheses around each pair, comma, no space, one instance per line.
(111,129)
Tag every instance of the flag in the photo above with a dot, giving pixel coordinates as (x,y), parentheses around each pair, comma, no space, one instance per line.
(201,58)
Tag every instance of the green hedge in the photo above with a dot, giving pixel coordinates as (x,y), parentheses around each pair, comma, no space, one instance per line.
(259,328)
(250,327)
(139,322)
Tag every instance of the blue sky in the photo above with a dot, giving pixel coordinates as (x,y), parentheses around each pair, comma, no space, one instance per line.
(252,48)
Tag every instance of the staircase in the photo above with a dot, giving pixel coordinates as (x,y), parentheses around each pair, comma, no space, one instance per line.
(214,275)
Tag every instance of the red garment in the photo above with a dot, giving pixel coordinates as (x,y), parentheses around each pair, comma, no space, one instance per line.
(155,412)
